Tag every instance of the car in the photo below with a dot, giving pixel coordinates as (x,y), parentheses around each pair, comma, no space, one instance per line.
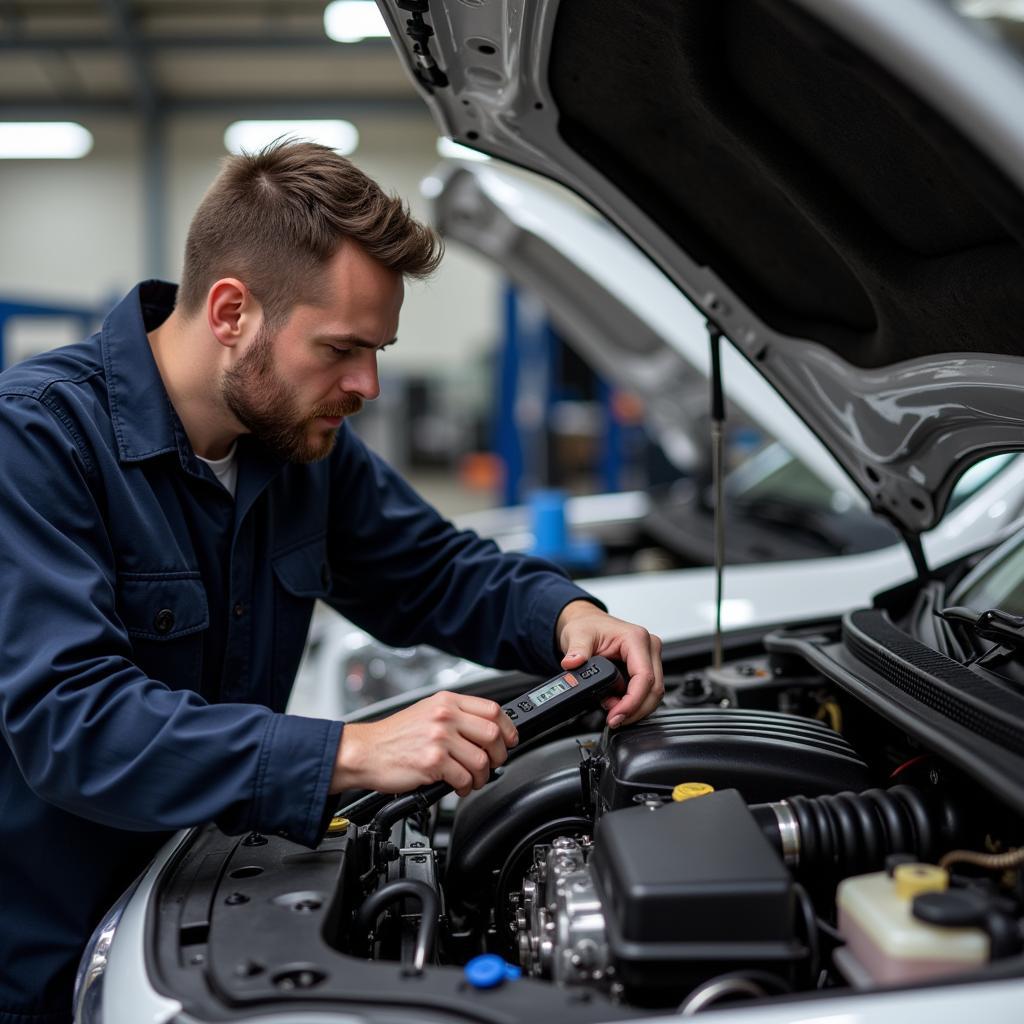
(786,500)
(825,819)
(617,310)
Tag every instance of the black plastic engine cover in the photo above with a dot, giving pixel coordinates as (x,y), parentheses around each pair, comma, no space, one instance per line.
(691,889)
(766,755)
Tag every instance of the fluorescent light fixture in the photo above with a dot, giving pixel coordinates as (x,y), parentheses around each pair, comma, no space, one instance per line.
(1011,10)
(43,140)
(250,136)
(352,21)
(456,151)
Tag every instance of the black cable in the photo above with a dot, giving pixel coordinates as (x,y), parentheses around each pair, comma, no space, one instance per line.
(360,811)
(810,932)
(824,928)
(418,800)
(382,898)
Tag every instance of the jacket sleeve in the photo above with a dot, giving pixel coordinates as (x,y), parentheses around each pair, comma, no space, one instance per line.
(89,731)
(404,573)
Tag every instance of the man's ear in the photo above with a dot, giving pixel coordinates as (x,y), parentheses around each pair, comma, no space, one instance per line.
(232,312)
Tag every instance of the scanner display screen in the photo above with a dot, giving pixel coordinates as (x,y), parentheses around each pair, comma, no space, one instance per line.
(549,690)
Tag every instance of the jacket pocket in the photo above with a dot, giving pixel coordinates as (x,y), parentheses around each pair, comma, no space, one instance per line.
(166,616)
(301,576)
(162,606)
(303,571)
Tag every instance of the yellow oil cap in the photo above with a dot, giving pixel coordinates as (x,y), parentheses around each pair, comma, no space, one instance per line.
(913,879)
(338,826)
(688,790)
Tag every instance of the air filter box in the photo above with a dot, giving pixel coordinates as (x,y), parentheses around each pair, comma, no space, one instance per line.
(690,890)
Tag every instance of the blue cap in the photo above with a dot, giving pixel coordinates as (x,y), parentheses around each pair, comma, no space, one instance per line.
(489,971)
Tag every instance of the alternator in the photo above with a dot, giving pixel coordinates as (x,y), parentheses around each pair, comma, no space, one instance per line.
(559,918)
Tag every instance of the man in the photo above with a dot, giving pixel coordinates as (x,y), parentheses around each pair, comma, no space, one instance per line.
(176,491)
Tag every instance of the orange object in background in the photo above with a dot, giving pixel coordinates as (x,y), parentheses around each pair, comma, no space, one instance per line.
(627,408)
(482,471)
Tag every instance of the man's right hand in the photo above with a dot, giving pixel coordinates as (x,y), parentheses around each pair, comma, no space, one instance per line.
(448,737)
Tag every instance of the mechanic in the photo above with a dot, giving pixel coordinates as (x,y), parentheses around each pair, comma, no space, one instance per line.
(176,491)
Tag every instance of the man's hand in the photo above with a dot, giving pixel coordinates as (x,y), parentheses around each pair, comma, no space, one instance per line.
(448,737)
(583,630)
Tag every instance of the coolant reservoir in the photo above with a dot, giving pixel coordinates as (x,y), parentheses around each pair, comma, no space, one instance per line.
(886,944)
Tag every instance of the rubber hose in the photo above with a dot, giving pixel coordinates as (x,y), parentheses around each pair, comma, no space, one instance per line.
(382,898)
(850,833)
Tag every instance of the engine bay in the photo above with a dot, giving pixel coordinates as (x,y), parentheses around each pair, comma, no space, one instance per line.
(766,834)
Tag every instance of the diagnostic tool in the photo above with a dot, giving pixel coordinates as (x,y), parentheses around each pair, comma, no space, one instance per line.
(562,697)
(545,707)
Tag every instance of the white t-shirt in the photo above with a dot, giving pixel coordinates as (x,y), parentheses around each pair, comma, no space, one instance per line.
(226,469)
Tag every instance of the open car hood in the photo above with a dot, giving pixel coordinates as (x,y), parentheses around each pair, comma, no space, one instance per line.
(836,184)
(615,308)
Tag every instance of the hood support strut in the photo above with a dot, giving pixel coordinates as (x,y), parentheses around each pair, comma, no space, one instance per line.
(717,476)
(916,549)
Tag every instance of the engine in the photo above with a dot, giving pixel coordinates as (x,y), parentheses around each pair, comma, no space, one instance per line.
(649,907)
(756,836)
(644,861)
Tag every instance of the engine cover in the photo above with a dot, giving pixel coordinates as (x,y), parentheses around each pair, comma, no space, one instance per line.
(766,755)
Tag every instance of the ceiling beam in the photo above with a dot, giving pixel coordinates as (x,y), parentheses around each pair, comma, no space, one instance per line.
(124,29)
(154,44)
(243,106)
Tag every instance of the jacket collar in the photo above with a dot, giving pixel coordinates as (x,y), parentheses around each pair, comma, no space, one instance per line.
(145,423)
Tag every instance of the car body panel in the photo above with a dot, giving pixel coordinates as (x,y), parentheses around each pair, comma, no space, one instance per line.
(904,428)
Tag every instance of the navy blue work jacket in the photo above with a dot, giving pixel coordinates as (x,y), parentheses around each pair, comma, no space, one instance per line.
(151,627)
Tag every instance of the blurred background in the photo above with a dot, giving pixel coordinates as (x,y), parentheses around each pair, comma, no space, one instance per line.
(549,387)
(154,86)
(114,115)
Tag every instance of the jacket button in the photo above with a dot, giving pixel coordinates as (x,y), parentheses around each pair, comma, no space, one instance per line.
(239,610)
(164,620)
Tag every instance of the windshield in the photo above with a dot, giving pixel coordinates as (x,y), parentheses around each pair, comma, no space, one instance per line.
(773,474)
(998,582)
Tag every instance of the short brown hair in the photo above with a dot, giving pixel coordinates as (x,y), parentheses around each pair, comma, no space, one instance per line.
(273,218)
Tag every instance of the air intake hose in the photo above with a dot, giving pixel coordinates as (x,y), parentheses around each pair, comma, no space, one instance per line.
(852,833)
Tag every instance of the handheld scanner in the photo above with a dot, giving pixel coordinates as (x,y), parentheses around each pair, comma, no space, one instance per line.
(544,707)
(562,697)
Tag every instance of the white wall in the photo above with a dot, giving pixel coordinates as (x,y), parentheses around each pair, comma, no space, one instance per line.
(73,231)
(70,230)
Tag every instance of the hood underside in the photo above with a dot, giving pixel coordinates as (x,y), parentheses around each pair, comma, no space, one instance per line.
(837,185)
(616,309)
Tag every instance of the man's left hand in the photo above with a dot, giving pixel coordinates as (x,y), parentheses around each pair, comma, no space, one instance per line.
(583,630)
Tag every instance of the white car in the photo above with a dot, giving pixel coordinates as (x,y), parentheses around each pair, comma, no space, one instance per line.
(786,501)
(827,826)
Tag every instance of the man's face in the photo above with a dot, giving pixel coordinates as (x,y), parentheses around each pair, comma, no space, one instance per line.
(292,388)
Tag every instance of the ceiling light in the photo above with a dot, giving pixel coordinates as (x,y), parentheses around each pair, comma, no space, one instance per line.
(250,136)
(1011,10)
(43,140)
(456,151)
(352,21)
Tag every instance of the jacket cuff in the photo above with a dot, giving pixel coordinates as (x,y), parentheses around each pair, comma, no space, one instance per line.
(545,611)
(294,778)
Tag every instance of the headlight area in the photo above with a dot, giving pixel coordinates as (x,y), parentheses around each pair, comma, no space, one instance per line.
(93,965)
(111,983)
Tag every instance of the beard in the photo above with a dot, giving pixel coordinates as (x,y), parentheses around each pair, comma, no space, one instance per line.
(269,409)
